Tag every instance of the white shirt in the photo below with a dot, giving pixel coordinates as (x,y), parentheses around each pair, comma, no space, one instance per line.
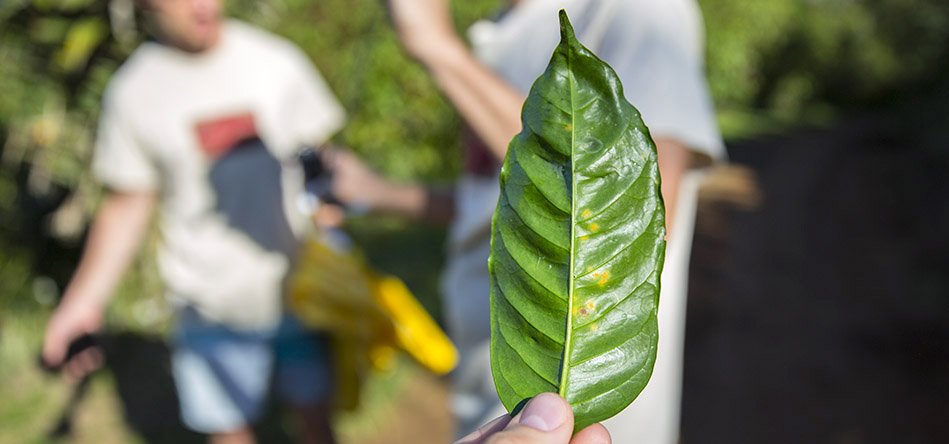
(170,123)
(656,48)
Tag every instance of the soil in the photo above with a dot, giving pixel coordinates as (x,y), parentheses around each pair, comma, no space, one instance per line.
(822,316)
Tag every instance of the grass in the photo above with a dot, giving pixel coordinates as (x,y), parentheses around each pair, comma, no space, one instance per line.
(33,401)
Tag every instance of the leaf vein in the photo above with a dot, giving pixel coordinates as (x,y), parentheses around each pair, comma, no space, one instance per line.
(612,307)
(524,270)
(525,319)
(622,250)
(637,372)
(620,196)
(532,230)
(630,338)
(521,358)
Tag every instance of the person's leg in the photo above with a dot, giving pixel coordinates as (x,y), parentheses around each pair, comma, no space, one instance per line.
(312,423)
(222,378)
(303,380)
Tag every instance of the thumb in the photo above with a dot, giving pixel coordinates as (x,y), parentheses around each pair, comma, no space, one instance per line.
(54,345)
(546,419)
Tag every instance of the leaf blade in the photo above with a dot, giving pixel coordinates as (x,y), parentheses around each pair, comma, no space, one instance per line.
(577,243)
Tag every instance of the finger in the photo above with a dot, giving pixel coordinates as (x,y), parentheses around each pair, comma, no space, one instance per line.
(546,419)
(594,434)
(54,349)
(329,216)
(72,371)
(84,363)
(478,436)
(96,358)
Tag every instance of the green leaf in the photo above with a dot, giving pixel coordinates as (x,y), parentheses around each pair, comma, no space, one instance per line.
(577,243)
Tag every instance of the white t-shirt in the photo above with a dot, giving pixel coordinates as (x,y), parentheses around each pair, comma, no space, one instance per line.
(656,48)
(216,135)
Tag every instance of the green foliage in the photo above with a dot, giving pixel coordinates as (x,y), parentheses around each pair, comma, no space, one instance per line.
(397,117)
(577,243)
(57,57)
(786,58)
(770,63)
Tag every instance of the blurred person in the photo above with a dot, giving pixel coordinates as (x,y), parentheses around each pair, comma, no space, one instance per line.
(205,119)
(545,419)
(656,48)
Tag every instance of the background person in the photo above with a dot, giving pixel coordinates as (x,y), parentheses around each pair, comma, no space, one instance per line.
(656,48)
(205,120)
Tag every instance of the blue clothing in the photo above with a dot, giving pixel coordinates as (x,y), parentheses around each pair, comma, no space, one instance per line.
(224,376)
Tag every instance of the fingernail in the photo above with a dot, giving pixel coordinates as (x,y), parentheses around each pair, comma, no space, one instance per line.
(543,413)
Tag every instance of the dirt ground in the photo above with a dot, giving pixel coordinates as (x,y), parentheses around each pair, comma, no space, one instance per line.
(822,316)
(419,415)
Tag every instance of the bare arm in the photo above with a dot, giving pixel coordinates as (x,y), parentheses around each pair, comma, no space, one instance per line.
(113,242)
(417,202)
(357,185)
(674,160)
(489,105)
(486,102)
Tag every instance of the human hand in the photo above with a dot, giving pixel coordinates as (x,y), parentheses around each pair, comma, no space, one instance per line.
(546,419)
(69,322)
(353,183)
(425,27)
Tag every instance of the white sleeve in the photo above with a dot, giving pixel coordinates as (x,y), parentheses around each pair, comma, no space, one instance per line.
(315,113)
(120,161)
(661,66)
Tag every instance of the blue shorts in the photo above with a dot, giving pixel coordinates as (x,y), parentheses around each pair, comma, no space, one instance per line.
(224,376)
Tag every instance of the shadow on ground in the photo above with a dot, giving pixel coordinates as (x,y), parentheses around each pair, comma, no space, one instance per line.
(140,366)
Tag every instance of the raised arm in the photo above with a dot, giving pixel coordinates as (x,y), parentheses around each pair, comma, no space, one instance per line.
(116,234)
(357,185)
(487,103)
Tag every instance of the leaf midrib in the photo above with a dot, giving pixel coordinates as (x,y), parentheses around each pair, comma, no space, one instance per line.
(568,341)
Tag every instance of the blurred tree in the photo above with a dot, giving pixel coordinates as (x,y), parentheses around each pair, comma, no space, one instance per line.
(57,56)
(784,59)
(788,58)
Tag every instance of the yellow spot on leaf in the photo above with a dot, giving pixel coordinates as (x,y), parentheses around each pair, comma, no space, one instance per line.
(594,227)
(586,213)
(568,127)
(604,277)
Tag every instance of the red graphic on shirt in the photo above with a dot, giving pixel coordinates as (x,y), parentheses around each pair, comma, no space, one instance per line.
(217,136)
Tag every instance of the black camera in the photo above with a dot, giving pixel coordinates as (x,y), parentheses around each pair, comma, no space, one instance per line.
(317,176)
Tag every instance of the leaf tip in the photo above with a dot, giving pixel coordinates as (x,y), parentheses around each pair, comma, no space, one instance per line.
(566,29)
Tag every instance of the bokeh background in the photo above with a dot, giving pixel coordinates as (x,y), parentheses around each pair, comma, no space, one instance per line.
(819,308)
